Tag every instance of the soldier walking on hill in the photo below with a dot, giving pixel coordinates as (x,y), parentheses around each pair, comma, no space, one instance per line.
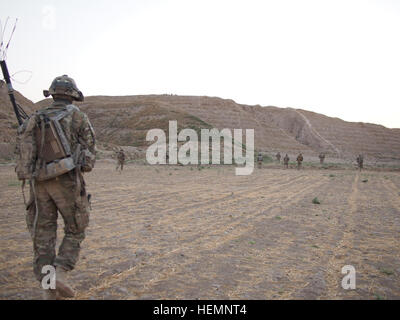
(286,161)
(121,160)
(278,157)
(321,158)
(360,161)
(299,161)
(56,145)
(260,159)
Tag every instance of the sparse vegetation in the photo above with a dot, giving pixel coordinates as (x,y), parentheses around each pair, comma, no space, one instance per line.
(378,296)
(316,201)
(14,183)
(387,272)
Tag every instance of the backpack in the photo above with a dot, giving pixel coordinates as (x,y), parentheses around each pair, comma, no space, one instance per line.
(43,149)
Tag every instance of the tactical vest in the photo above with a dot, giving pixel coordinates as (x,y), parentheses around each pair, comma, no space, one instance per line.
(52,155)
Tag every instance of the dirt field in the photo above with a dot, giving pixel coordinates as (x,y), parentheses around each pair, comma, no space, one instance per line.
(184,233)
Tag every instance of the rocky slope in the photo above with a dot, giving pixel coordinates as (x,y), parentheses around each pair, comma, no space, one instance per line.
(8,121)
(125,121)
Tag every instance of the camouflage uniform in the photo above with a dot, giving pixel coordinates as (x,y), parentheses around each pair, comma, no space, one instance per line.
(286,161)
(299,160)
(65,194)
(121,160)
(360,161)
(260,159)
(278,157)
(321,158)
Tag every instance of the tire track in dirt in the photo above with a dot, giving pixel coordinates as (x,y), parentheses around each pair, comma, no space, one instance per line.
(376,243)
(28,259)
(290,276)
(169,216)
(150,201)
(120,277)
(394,191)
(337,261)
(174,220)
(261,256)
(370,243)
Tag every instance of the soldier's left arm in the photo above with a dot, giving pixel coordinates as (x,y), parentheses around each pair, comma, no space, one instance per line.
(87,139)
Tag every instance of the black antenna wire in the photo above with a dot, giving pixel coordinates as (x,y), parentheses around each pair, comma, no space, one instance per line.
(19,112)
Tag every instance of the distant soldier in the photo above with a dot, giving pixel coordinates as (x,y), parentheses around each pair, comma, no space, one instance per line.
(360,161)
(260,159)
(321,158)
(121,160)
(286,161)
(299,161)
(278,157)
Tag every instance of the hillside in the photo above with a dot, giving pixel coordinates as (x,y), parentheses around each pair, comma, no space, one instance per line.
(276,129)
(128,118)
(8,121)
(125,121)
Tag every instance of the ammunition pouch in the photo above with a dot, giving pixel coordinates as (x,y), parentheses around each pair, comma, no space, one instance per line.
(87,160)
(55,168)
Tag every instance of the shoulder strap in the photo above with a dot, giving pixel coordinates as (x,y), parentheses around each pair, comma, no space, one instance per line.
(67,111)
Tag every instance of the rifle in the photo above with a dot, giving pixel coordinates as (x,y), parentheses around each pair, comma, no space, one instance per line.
(19,112)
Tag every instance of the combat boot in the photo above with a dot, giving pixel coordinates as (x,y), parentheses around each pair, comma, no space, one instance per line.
(50,294)
(62,286)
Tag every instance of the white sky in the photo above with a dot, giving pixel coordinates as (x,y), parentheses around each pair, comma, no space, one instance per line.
(339,58)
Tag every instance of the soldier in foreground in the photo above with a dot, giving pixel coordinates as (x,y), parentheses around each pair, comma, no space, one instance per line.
(321,158)
(278,157)
(260,159)
(360,161)
(299,161)
(286,161)
(121,160)
(56,145)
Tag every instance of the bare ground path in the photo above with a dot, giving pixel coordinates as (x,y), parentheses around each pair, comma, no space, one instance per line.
(184,233)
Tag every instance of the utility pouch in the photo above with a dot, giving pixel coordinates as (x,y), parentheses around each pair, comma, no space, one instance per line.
(55,168)
(26,151)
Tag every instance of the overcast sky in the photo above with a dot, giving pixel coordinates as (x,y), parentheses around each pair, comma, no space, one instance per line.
(338,58)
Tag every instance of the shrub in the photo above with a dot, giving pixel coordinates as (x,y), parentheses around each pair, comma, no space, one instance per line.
(316,201)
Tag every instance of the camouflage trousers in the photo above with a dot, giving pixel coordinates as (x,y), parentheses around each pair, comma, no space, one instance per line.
(120,165)
(65,194)
(286,164)
(299,164)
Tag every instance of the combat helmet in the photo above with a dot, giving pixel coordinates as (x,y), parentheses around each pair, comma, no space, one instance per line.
(64,85)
